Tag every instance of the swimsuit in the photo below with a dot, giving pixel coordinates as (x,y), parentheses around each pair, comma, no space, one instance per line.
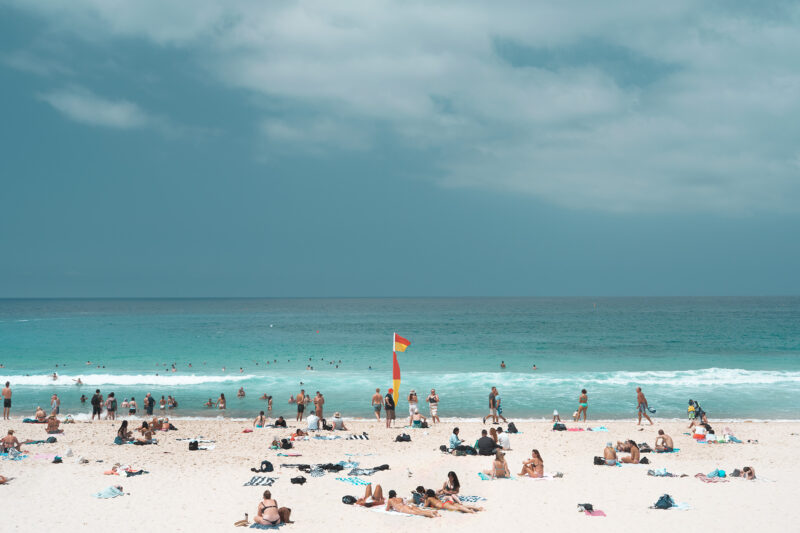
(377,408)
(583,404)
(271,522)
(6,402)
(642,408)
(300,407)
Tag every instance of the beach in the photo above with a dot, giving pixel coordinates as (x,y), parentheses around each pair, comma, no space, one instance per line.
(204,490)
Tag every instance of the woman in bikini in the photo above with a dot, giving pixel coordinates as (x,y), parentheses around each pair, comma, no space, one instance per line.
(450,488)
(435,503)
(499,466)
(260,420)
(147,434)
(267,513)
(123,432)
(493,434)
(221,401)
(533,467)
(583,405)
(371,498)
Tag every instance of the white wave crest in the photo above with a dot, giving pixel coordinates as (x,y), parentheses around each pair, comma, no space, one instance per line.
(173,380)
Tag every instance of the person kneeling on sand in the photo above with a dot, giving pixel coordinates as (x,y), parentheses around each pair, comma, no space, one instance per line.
(9,441)
(398,504)
(610,455)
(499,466)
(533,467)
(435,503)
(663,442)
(371,498)
(633,458)
(268,513)
(52,425)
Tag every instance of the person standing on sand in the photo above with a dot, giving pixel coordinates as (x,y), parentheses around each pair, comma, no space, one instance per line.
(55,404)
(492,406)
(412,405)
(388,405)
(319,401)
(301,404)
(642,402)
(377,402)
(433,403)
(7,401)
(97,404)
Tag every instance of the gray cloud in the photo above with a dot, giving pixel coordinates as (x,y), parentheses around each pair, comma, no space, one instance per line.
(84,106)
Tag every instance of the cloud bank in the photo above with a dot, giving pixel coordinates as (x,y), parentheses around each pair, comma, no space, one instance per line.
(606,106)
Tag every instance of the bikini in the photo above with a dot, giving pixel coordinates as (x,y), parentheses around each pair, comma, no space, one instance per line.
(263,508)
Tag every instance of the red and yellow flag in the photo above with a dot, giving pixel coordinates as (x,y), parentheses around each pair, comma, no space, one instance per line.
(400,344)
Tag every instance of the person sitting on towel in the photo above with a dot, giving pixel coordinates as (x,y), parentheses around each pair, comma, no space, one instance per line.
(313,421)
(52,425)
(147,434)
(610,455)
(372,498)
(633,458)
(485,445)
(268,513)
(9,441)
(260,420)
(499,466)
(533,467)
(417,419)
(40,416)
(663,442)
(338,423)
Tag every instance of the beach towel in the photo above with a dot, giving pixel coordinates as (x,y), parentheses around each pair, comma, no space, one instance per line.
(353,481)
(289,455)
(598,428)
(383,510)
(594,513)
(199,439)
(363,436)
(705,479)
(545,477)
(465,499)
(32,421)
(484,477)
(262,526)
(45,456)
(575,429)
(110,492)
(326,437)
(260,481)
(129,473)
(13,455)
(673,450)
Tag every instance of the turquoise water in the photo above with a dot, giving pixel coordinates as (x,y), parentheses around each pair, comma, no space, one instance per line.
(739,357)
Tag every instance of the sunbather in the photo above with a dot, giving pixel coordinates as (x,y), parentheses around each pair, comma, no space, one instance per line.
(610,455)
(147,434)
(623,446)
(338,423)
(533,467)
(499,466)
(451,487)
(435,503)
(748,472)
(123,432)
(3,480)
(633,458)
(9,441)
(372,498)
(52,425)
(268,513)
(40,415)
(663,442)
(260,420)
(417,419)
(398,504)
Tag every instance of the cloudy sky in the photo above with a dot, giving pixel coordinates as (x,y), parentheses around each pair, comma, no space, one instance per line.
(368,148)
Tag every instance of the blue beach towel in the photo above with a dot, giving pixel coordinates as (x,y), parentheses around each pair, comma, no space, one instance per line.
(599,428)
(469,499)
(110,492)
(484,477)
(674,450)
(17,457)
(353,480)
(262,526)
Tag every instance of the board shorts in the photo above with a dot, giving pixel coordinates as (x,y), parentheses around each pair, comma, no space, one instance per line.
(132,411)
(492,411)
(434,409)
(642,408)
(97,410)
(376,408)
(389,414)
(6,402)
(300,407)
(411,408)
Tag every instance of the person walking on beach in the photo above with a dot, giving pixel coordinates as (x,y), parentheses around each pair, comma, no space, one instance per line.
(97,404)
(492,406)
(412,405)
(7,401)
(583,405)
(433,403)
(388,405)
(377,402)
(55,404)
(319,401)
(643,407)
(301,404)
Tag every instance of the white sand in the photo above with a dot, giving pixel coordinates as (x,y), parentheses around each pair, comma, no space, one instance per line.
(202,490)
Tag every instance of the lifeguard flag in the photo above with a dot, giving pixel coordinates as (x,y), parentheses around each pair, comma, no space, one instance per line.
(400,344)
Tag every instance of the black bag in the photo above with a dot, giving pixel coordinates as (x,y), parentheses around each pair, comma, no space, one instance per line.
(193,445)
(424,425)
(469,450)
(599,460)
(645,448)
(512,428)
(266,466)
(559,427)
(299,480)
(286,444)
(736,472)
(664,502)
(348,500)
(586,506)
(50,440)
(644,461)
(443,448)
(403,438)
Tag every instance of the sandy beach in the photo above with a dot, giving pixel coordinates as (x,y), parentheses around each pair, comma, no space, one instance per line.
(203,490)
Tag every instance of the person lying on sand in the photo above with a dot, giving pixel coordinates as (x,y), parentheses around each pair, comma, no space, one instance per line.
(633,458)
(610,455)
(268,513)
(52,425)
(749,473)
(499,466)
(398,504)
(435,503)
(3,480)
(663,442)
(372,498)
(9,441)
(40,415)
(533,467)
(147,434)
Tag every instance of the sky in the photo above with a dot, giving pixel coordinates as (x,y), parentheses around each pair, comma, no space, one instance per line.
(370,148)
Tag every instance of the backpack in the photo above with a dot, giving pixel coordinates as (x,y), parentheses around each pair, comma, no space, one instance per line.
(443,448)
(266,466)
(645,448)
(559,427)
(193,445)
(512,428)
(424,425)
(403,438)
(299,480)
(286,444)
(348,500)
(600,461)
(664,502)
(644,461)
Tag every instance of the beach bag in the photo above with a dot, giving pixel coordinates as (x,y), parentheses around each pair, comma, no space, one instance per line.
(299,480)
(645,448)
(559,427)
(736,473)
(193,445)
(403,437)
(424,425)
(50,440)
(585,507)
(443,448)
(348,500)
(286,444)
(644,461)
(512,428)
(266,466)
(599,460)
(664,502)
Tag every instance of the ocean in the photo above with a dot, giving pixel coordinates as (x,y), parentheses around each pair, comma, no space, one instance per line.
(739,357)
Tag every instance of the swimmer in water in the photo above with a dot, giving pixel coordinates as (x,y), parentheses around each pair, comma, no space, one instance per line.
(78,381)
(55,376)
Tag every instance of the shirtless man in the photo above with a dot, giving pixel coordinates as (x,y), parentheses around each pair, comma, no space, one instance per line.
(492,407)
(633,458)
(641,401)
(663,442)
(610,455)
(9,441)
(240,393)
(319,401)
(300,400)
(397,504)
(7,401)
(377,403)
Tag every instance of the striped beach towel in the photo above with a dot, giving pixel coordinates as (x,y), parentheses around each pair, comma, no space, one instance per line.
(353,480)
(363,436)
(260,481)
